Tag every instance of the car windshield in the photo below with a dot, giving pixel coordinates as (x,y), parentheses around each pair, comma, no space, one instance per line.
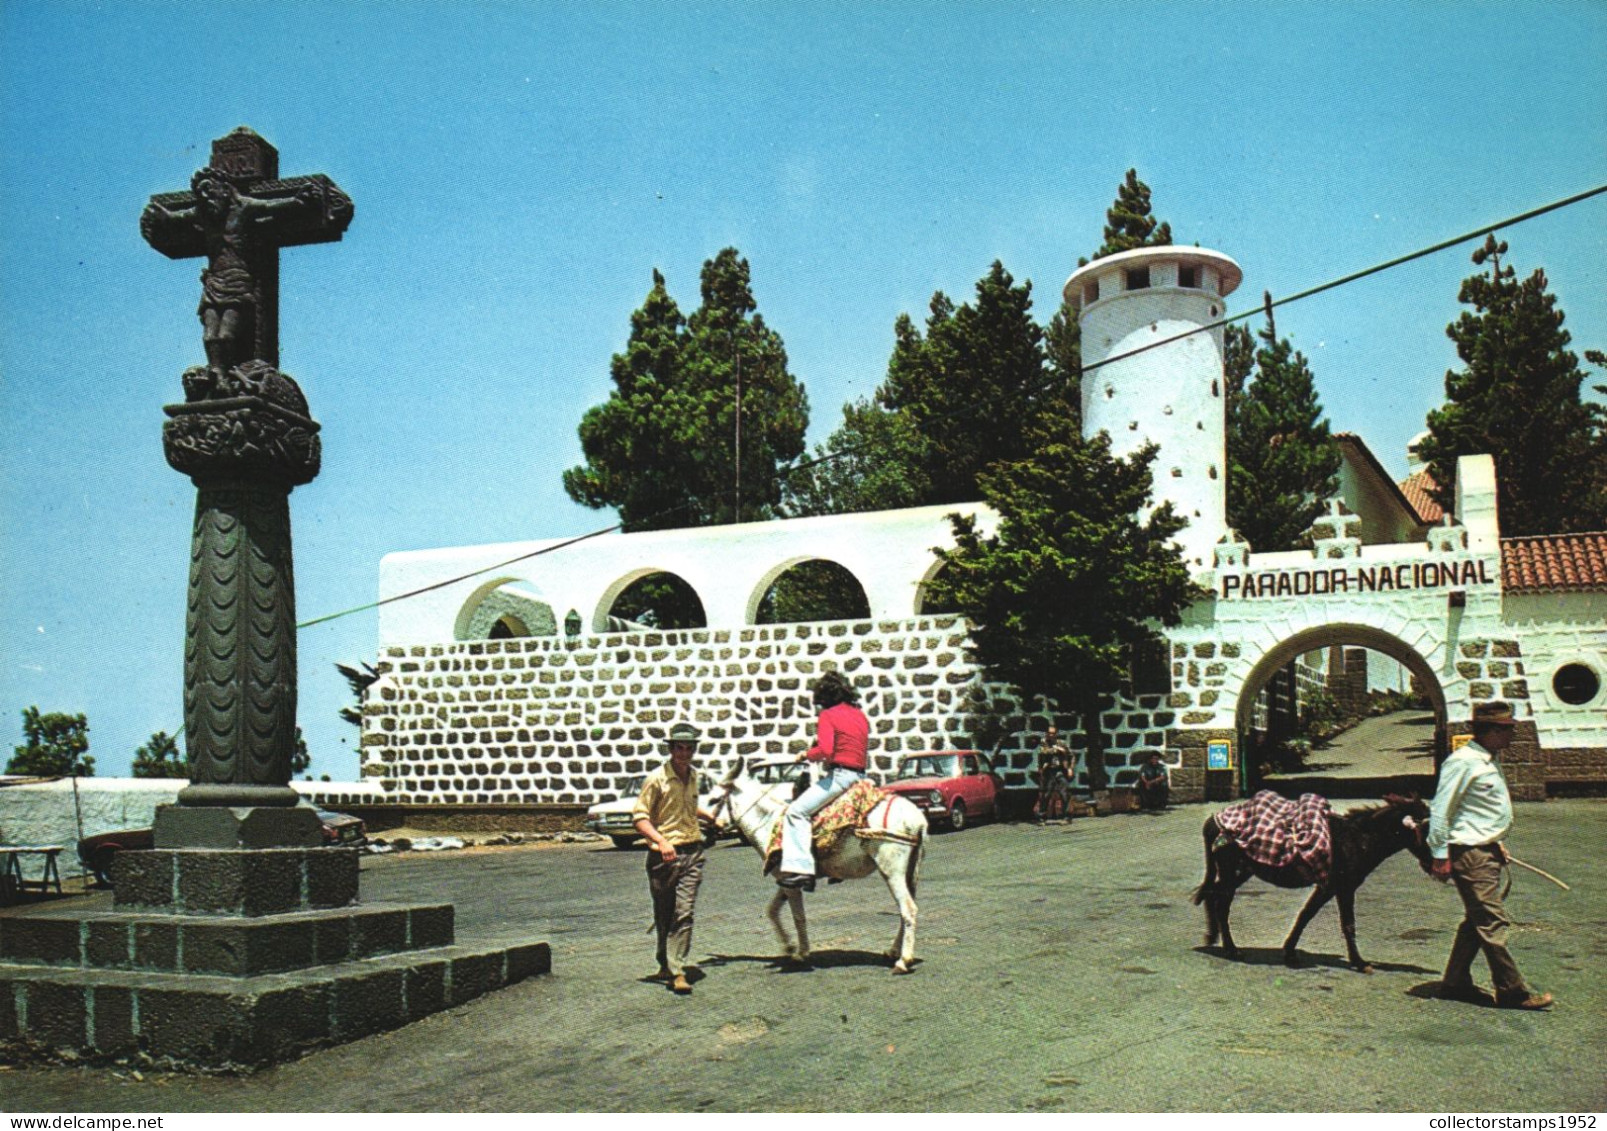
(769,773)
(929,766)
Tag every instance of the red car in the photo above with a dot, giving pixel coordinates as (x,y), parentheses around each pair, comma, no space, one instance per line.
(952,787)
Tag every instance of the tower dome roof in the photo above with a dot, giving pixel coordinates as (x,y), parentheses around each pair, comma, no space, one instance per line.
(1229,271)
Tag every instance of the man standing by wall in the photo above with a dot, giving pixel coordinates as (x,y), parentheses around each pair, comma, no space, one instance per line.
(1054,775)
(667,815)
(1470,814)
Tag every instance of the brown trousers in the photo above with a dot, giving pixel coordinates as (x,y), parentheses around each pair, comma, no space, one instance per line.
(674,887)
(1477,874)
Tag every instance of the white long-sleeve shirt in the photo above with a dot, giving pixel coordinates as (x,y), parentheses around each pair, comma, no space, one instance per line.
(1471,805)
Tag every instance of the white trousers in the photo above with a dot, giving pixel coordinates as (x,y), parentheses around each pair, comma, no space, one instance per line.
(797,851)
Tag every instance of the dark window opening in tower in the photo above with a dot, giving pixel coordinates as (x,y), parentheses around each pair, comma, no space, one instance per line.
(1090,292)
(1137,278)
(1188,275)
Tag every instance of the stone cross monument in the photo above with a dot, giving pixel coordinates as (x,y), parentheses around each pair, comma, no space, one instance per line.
(245,437)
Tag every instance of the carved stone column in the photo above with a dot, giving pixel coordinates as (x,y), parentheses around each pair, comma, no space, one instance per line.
(245,446)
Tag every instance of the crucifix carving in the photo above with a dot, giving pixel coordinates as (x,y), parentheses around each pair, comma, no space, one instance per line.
(246,438)
(238,214)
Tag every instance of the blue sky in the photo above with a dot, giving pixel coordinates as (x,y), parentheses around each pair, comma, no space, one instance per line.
(519,170)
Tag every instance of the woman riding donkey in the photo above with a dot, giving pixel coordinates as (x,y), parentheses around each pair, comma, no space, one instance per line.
(841,735)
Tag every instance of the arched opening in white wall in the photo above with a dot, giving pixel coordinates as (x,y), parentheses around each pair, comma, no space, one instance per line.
(808,589)
(652,598)
(1341,710)
(928,603)
(504,608)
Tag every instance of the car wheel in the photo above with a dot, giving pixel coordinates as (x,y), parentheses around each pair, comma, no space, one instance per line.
(623,841)
(957,816)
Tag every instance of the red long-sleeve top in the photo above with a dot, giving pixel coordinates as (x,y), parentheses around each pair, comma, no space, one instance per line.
(841,736)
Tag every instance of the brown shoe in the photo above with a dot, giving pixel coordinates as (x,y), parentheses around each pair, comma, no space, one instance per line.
(681,985)
(1526,1000)
(663,975)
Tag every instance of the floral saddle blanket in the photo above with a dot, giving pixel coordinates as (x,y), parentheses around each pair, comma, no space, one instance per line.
(841,817)
(1288,836)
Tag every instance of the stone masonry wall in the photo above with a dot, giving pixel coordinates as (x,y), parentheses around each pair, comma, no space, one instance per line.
(568,719)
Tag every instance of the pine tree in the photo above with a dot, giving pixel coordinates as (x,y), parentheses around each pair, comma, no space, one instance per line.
(975,385)
(875,460)
(732,357)
(57,745)
(661,449)
(1129,223)
(1072,581)
(1283,465)
(160,758)
(1518,399)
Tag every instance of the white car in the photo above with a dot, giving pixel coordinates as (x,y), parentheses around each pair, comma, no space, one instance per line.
(613,818)
(774,771)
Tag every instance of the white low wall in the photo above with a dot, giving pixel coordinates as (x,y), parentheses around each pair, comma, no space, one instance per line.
(46,812)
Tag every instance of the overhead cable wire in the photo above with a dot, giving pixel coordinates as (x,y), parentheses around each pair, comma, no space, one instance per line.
(803,465)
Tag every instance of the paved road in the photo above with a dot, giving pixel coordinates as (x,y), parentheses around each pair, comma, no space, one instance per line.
(1401,742)
(1061,971)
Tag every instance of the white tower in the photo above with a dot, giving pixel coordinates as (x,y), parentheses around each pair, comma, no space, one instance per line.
(1172,394)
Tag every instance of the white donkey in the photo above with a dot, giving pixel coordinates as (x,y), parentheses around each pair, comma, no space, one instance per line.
(893,845)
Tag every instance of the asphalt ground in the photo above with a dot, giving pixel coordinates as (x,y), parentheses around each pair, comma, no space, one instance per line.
(1061,970)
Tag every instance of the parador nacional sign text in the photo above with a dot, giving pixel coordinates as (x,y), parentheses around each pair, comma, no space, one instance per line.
(1356,579)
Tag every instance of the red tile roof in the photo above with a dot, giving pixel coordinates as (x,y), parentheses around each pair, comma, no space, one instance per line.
(1554,562)
(1418,491)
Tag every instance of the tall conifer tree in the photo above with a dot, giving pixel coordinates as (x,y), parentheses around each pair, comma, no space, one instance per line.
(1518,399)
(1069,585)
(1283,464)
(973,385)
(662,449)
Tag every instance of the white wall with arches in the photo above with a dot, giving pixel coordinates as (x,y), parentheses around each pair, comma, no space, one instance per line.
(890,554)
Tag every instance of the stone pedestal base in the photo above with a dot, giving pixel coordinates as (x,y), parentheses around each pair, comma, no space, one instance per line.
(235,959)
(181,826)
(246,882)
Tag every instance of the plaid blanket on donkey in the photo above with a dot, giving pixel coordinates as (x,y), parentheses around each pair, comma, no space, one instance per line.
(838,819)
(1290,836)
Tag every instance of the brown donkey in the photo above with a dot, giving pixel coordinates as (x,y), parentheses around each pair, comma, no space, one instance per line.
(1362,840)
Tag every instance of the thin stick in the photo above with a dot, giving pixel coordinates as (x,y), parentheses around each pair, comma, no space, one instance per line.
(1511,859)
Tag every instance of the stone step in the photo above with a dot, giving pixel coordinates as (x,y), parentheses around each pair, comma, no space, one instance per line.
(245,881)
(202,1021)
(231,946)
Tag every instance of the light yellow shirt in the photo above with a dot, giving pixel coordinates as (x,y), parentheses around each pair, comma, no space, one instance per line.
(671,805)
(1471,805)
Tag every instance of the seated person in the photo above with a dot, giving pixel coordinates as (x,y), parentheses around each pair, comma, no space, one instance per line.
(1153,784)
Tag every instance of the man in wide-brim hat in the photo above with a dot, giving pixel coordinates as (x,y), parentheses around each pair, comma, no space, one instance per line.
(667,814)
(1470,815)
